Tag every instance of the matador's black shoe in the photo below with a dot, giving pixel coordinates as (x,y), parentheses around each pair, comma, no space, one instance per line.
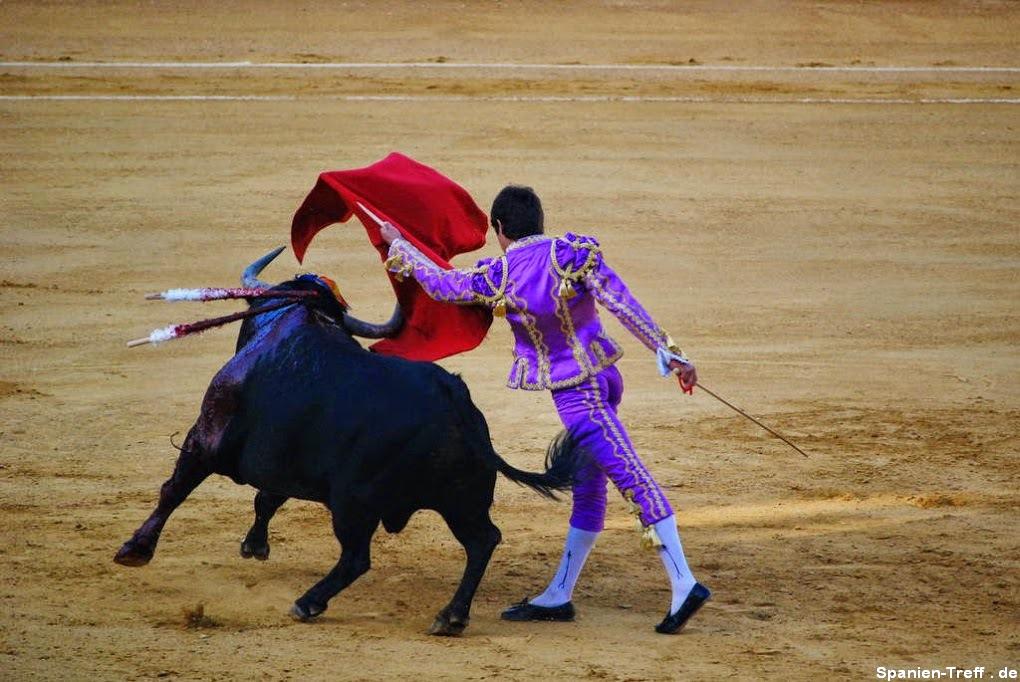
(523,611)
(674,622)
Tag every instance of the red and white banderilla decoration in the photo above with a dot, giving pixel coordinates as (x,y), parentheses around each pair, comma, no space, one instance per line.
(176,331)
(222,294)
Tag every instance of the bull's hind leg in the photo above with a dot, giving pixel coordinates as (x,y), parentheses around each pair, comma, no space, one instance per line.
(256,543)
(188,473)
(354,530)
(479,536)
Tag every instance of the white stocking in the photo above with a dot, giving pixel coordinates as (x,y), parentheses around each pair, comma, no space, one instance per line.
(575,553)
(672,554)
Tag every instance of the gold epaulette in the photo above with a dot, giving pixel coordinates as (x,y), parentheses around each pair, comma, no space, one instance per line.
(569,275)
(498,299)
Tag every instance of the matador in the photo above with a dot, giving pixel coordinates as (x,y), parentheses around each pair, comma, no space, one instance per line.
(547,288)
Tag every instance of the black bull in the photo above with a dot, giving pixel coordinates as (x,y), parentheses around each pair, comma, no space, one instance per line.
(302,410)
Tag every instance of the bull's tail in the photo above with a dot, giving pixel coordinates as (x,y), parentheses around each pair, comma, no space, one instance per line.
(564,458)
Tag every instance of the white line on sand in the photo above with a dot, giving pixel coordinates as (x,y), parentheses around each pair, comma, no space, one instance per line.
(149,98)
(505,98)
(504,66)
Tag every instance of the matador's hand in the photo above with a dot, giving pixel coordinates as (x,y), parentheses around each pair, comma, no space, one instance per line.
(686,373)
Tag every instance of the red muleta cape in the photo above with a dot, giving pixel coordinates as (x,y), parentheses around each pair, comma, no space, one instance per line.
(432,212)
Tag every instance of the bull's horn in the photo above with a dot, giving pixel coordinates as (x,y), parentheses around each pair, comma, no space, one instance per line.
(375,331)
(250,276)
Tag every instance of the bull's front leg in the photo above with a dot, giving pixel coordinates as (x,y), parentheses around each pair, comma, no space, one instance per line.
(256,543)
(479,536)
(188,473)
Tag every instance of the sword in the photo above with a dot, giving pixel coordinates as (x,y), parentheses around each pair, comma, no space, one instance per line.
(745,414)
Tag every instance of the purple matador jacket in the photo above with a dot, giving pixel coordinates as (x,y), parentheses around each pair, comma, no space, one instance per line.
(542,286)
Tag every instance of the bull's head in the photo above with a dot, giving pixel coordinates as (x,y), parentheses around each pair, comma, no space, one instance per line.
(329,302)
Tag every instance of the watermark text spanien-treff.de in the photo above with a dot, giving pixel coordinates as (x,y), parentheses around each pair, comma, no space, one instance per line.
(948,672)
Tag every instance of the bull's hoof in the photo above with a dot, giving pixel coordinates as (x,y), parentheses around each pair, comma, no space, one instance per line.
(133,554)
(448,626)
(254,550)
(305,612)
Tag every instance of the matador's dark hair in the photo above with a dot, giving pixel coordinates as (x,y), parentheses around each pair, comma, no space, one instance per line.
(519,211)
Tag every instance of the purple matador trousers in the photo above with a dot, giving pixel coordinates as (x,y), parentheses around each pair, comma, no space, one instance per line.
(589,411)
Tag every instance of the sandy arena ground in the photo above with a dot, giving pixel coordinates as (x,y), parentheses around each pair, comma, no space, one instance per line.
(847,271)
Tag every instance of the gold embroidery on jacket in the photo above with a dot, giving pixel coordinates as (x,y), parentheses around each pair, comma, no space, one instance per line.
(543,371)
(649,333)
(400,268)
(409,260)
(652,336)
(598,351)
(589,361)
(498,300)
(569,333)
(525,241)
